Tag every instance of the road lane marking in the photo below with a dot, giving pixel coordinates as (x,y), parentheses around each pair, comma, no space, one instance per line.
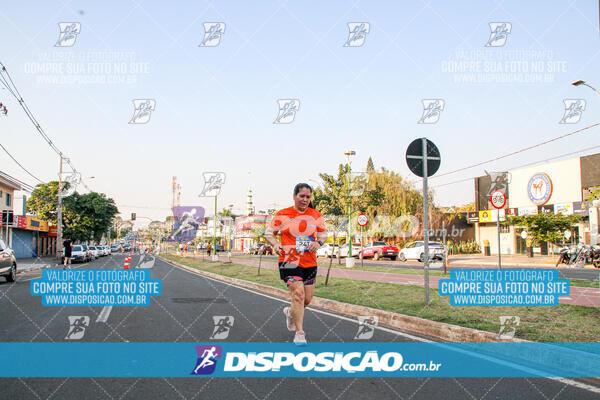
(103,316)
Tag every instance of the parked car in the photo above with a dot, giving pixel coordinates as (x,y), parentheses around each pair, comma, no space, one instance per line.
(8,262)
(254,249)
(328,250)
(115,248)
(345,250)
(416,251)
(95,252)
(378,250)
(79,254)
(88,251)
(265,249)
(108,250)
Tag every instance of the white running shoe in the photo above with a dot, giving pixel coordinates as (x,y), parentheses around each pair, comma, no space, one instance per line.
(300,338)
(289,321)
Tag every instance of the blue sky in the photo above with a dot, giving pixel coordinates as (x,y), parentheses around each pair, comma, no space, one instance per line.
(215,106)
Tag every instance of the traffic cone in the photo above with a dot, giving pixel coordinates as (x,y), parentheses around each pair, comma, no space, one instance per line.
(126,265)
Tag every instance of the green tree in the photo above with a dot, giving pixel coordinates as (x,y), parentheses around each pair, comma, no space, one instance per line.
(44,201)
(544,227)
(258,232)
(85,217)
(370,165)
(88,216)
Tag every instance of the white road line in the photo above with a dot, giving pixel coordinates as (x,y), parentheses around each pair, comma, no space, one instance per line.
(103,316)
(565,381)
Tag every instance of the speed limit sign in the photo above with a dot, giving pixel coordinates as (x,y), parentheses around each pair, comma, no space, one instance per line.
(362,219)
(498,199)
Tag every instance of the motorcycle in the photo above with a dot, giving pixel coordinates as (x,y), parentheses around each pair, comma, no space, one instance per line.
(567,255)
(578,256)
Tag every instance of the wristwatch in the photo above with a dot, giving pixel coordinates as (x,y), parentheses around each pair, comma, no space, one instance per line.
(320,243)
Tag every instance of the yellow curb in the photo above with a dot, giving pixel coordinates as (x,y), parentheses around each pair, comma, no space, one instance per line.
(406,323)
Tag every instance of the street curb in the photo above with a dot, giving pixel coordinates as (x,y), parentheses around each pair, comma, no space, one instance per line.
(407,323)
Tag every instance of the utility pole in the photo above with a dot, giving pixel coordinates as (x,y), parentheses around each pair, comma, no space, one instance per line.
(59,250)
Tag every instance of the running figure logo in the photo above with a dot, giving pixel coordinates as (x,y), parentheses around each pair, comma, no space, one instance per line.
(213,182)
(222,326)
(508,326)
(77,325)
(366,326)
(358,33)
(287,111)
(499,33)
(142,110)
(212,34)
(69,183)
(573,110)
(207,359)
(68,34)
(432,108)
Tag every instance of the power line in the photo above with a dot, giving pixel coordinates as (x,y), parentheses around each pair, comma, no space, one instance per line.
(517,151)
(525,165)
(7,82)
(22,167)
(26,186)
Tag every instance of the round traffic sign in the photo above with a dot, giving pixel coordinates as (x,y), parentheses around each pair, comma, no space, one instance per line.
(498,199)
(567,234)
(524,234)
(362,219)
(414,157)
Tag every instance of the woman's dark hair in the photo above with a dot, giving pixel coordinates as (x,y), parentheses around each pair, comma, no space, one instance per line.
(301,186)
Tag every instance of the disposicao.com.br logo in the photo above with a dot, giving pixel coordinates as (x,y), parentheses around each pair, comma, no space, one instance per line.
(305,362)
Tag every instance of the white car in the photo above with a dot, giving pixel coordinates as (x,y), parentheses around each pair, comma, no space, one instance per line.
(344,250)
(94,251)
(79,253)
(416,251)
(328,250)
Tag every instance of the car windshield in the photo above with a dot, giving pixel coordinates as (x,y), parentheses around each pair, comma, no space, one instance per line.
(379,244)
(435,244)
(77,248)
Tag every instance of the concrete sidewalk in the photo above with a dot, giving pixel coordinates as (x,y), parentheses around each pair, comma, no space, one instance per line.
(581,296)
(33,264)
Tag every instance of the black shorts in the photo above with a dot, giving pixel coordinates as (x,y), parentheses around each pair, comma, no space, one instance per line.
(297,274)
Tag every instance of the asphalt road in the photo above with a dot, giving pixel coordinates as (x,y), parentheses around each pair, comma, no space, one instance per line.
(574,273)
(183,313)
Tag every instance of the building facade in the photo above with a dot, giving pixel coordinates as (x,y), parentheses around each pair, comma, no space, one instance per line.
(561,187)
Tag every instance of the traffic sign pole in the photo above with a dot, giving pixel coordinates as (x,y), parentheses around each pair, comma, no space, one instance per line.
(426,220)
(362,220)
(418,156)
(498,200)
(499,251)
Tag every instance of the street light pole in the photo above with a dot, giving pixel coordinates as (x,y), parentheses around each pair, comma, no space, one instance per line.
(59,250)
(215,232)
(350,259)
(583,83)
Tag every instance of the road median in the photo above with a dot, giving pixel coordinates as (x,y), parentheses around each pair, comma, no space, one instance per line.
(401,307)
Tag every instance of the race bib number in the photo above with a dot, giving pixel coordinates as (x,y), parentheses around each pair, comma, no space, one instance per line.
(302,243)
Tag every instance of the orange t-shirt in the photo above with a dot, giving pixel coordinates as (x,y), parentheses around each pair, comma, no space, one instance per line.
(297,231)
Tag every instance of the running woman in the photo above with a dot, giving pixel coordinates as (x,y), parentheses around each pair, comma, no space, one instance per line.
(302,232)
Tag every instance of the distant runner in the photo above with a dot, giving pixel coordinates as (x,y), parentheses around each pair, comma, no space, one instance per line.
(302,233)
(67,253)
